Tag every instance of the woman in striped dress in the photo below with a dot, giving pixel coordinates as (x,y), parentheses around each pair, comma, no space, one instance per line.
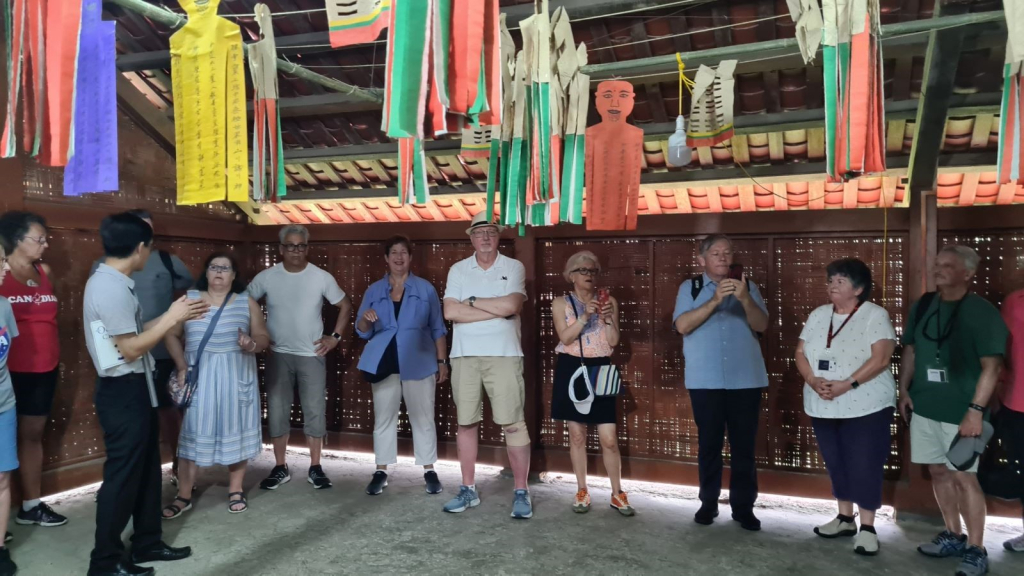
(222,424)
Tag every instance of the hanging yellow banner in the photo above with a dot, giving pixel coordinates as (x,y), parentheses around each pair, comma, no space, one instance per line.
(208,80)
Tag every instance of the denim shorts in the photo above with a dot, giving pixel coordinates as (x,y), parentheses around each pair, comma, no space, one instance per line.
(8,440)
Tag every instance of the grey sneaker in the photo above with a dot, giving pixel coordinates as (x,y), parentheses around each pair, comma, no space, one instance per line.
(944,545)
(1015,544)
(466,498)
(974,563)
(522,506)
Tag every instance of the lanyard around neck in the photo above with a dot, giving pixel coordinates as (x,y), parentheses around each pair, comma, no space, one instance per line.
(831,335)
(940,336)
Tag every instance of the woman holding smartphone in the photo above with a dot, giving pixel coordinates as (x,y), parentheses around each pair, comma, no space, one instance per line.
(587,323)
(222,422)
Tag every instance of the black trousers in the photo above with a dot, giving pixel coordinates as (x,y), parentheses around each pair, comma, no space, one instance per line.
(715,411)
(131,473)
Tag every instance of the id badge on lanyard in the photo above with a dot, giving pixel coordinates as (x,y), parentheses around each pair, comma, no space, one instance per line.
(938,370)
(827,366)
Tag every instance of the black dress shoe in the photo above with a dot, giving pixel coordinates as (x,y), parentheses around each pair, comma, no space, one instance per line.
(747,521)
(706,515)
(160,553)
(122,569)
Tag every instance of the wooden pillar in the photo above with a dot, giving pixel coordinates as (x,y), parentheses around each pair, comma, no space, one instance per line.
(914,492)
(526,252)
(923,242)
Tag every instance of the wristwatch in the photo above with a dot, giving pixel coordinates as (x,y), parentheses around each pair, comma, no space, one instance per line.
(444,361)
(977,407)
(472,301)
(335,335)
(854,384)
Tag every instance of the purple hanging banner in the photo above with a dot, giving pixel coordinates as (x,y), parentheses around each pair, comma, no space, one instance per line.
(92,162)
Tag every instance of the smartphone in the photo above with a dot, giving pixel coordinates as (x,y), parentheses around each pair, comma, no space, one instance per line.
(193,295)
(736,271)
(602,296)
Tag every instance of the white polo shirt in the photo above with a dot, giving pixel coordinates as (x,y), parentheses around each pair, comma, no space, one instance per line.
(497,337)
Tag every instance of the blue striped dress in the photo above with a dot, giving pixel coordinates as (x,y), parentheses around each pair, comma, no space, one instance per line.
(222,425)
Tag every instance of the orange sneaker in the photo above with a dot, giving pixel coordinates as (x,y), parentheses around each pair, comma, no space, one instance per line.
(582,502)
(621,503)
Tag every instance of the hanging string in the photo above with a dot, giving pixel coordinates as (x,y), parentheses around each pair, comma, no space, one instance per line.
(885,244)
(683,81)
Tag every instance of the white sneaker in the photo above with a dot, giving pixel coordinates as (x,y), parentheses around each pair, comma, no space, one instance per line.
(836,528)
(866,543)
(1015,544)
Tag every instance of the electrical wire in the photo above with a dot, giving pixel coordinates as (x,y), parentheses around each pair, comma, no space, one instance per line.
(635,10)
(609,15)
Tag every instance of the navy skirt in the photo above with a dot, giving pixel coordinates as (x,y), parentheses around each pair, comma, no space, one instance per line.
(602,411)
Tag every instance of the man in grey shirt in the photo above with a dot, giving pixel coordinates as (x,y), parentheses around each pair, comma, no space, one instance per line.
(119,345)
(295,292)
(155,285)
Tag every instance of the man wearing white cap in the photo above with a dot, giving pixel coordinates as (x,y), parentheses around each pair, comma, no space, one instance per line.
(483,299)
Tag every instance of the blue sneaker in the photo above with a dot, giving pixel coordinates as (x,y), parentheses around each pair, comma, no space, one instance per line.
(944,545)
(974,563)
(466,498)
(522,506)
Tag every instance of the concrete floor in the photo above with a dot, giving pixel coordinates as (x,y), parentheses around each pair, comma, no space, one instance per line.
(297,530)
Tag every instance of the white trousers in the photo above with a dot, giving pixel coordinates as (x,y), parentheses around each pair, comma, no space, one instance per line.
(419,404)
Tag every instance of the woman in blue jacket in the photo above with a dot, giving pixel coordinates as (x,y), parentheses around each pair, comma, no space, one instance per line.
(406,356)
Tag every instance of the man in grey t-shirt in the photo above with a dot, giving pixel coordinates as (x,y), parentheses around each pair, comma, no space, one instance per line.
(119,345)
(155,285)
(295,292)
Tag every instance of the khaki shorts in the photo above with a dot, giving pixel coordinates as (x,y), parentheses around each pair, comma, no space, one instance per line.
(500,376)
(930,441)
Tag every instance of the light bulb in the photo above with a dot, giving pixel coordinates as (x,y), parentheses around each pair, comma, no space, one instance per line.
(679,154)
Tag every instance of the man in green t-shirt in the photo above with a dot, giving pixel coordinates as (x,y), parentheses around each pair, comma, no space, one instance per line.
(952,356)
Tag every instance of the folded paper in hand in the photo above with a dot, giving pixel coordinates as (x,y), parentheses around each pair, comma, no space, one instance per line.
(107,354)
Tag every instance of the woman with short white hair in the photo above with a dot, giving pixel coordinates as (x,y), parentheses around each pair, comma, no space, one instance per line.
(587,323)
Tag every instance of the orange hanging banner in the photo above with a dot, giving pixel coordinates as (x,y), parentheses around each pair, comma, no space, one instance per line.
(63,20)
(492,68)
(467,45)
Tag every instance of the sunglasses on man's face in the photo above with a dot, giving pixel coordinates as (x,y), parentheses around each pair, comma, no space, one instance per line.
(295,247)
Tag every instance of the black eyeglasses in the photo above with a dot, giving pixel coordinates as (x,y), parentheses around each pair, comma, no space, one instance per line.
(587,271)
(218,268)
(295,247)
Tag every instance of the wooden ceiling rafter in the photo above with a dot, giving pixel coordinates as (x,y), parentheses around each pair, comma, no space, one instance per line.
(174,21)
(638,33)
(781,47)
(963,105)
(764,175)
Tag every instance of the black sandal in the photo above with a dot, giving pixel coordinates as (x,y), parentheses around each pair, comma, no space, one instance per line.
(175,509)
(241,500)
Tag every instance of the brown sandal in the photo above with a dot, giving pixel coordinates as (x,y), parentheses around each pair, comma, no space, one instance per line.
(177,510)
(234,502)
